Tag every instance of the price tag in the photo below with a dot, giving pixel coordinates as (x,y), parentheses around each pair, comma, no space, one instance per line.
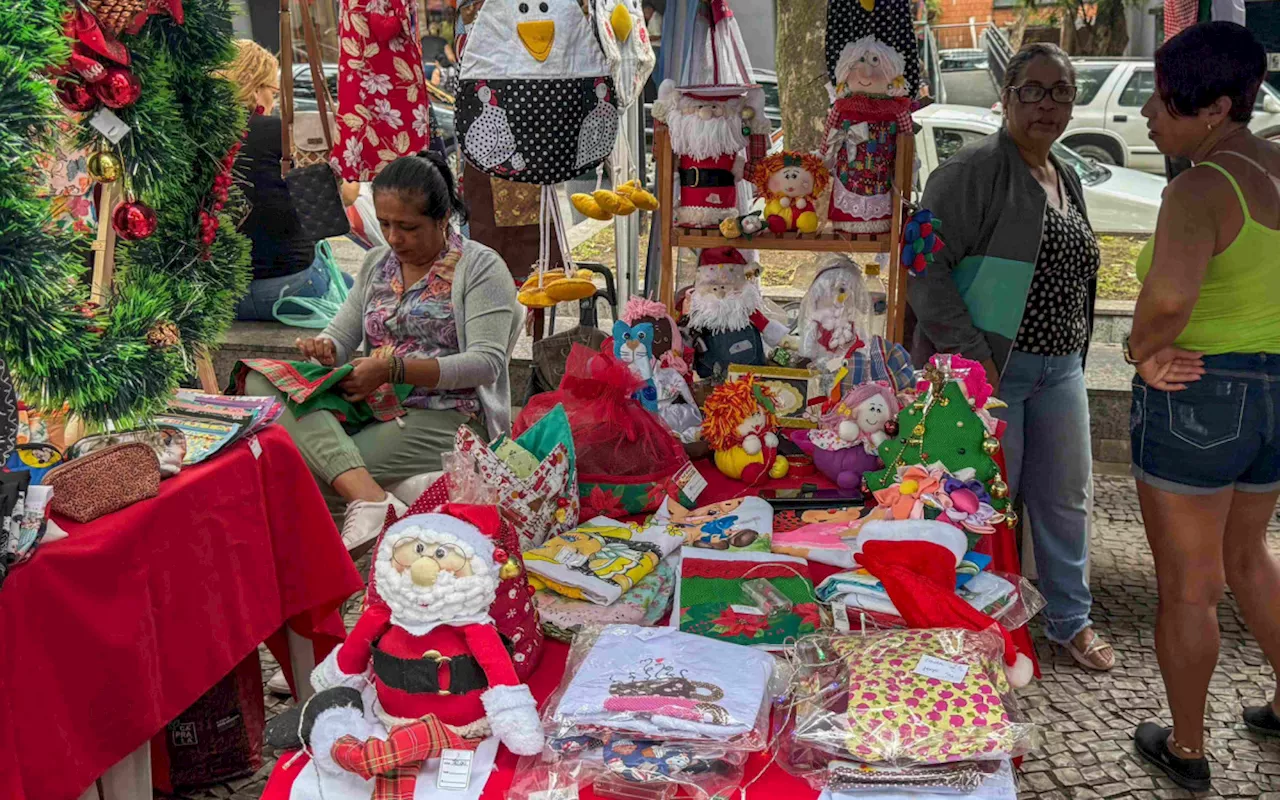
(687,482)
(741,609)
(109,125)
(455,770)
(840,616)
(931,667)
(255,446)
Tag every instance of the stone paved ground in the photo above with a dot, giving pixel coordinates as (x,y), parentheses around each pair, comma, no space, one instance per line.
(1088,718)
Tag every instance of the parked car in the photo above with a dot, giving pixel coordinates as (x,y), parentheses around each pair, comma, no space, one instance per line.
(1108,126)
(960,59)
(1119,200)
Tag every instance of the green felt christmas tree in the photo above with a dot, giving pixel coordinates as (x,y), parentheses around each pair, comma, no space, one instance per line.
(942,427)
(175,289)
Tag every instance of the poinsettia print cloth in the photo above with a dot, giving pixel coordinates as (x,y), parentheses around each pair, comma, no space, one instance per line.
(383,110)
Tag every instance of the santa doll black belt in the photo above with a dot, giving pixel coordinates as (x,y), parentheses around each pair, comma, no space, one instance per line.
(698,178)
(422,675)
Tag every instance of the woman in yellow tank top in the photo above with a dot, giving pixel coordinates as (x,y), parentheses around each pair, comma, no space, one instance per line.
(1206,400)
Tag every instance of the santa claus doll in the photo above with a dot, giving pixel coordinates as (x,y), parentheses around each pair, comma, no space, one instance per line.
(715,131)
(726,323)
(424,671)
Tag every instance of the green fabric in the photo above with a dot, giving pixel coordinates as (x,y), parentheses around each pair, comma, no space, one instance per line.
(519,460)
(1234,312)
(543,436)
(706,611)
(995,291)
(319,390)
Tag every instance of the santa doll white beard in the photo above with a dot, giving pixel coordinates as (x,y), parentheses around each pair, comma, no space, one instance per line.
(720,314)
(694,136)
(449,598)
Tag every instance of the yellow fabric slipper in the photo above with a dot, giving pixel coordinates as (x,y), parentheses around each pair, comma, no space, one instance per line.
(588,207)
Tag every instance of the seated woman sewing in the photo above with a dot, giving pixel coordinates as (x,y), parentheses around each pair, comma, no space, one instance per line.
(433,314)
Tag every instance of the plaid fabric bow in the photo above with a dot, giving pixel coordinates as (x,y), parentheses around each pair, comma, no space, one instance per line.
(393,763)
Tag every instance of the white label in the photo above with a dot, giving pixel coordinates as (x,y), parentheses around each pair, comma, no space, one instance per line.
(255,447)
(562,793)
(931,667)
(109,125)
(455,770)
(1273,62)
(840,616)
(691,482)
(741,609)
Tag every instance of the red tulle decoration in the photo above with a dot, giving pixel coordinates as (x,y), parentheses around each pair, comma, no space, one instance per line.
(76,96)
(133,220)
(120,89)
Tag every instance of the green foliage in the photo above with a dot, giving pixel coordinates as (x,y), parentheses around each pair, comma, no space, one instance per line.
(186,121)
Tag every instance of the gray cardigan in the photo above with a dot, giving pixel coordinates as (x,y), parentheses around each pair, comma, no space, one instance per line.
(990,212)
(486,313)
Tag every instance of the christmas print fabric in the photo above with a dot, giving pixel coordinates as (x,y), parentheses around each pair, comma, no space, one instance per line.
(383,110)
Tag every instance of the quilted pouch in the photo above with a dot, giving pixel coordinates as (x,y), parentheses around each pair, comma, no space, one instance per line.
(106,481)
(545,504)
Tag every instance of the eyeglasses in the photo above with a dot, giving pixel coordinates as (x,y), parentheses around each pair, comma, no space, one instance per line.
(1033,93)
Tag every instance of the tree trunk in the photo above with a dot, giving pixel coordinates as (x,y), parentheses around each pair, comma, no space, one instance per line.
(802,71)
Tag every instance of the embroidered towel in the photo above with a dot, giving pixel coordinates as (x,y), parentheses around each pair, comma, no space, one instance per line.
(600,560)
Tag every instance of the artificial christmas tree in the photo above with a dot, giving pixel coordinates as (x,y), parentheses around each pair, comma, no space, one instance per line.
(948,425)
(104,359)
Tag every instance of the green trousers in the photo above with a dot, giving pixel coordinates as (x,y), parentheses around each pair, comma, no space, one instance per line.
(390,452)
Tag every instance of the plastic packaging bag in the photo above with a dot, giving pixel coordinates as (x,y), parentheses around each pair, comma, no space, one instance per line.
(833,313)
(1009,599)
(625,454)
(899,698)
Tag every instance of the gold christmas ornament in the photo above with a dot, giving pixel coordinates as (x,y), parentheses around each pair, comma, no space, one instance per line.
(918,430)
(104,166)
(990,445)
(999,489)
(509,570)
(163,334)
(1011,517)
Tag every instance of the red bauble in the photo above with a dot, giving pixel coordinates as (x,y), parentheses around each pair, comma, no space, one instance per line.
(133,220)
(76,96)
(120,89)
(891,427)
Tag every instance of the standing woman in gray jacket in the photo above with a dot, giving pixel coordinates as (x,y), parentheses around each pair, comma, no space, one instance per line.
(433,310)
(1014,288)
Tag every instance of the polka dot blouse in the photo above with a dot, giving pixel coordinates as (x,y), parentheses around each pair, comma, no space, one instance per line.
(1056,321)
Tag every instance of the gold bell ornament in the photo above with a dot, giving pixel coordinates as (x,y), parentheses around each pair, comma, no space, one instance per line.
(999,489)
(104,166)
(509,567)
(990,445)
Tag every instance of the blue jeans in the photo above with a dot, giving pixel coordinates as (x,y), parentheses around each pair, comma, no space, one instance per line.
(1049,460)
(264,292)
(1222,431)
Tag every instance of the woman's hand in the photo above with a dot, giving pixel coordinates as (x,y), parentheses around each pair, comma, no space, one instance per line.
(1171,369)
(364,380)
(319,348)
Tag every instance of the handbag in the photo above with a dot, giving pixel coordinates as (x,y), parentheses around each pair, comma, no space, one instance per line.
(169,444)
(313,185)
(106,481)
(320,310)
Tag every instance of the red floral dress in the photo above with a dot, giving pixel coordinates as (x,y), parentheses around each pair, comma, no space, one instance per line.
(383,110)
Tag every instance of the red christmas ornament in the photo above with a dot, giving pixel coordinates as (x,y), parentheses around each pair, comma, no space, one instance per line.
(133,220)
(120,89)
(891,427)
(76,96)
(499,555)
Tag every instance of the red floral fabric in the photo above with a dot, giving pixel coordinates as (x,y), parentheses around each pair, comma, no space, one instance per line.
(383,111)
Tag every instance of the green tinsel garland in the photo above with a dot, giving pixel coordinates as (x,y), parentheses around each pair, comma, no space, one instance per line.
(101,363)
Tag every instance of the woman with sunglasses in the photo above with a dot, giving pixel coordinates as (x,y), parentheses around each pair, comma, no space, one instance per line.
(1014,288)
(1206,344)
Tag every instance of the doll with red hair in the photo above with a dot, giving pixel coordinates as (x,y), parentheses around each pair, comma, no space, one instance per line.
(738,424)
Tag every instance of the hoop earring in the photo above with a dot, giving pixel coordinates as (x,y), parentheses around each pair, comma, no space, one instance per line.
(1209,125)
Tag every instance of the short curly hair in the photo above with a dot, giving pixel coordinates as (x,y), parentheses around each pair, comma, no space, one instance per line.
(1208,61)
(730,404)
(764,168)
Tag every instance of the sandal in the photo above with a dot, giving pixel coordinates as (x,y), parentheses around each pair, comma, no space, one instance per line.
(1262,720)
(1097,655)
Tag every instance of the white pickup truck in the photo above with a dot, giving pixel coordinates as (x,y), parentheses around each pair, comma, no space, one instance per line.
(1107,125)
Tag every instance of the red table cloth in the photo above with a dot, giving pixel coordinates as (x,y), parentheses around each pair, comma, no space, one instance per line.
(109,634)
(773,781)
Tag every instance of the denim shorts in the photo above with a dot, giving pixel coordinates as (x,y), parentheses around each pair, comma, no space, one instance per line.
(1220,432)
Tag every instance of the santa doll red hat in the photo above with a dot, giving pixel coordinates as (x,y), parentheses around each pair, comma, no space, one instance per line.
(711,127)
(428,652)
(726,296)
(915,561)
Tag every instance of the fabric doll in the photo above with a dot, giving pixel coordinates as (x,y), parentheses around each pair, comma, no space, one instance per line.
(738,425)
(845,446)
(671,372)
(829,315)
(424,669)
(791,183)
(725,320)
(870,108)
(383,110)
(711,128)
(633,345)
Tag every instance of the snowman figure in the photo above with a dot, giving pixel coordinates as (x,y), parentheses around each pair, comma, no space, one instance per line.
(489,140)
(599,129)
